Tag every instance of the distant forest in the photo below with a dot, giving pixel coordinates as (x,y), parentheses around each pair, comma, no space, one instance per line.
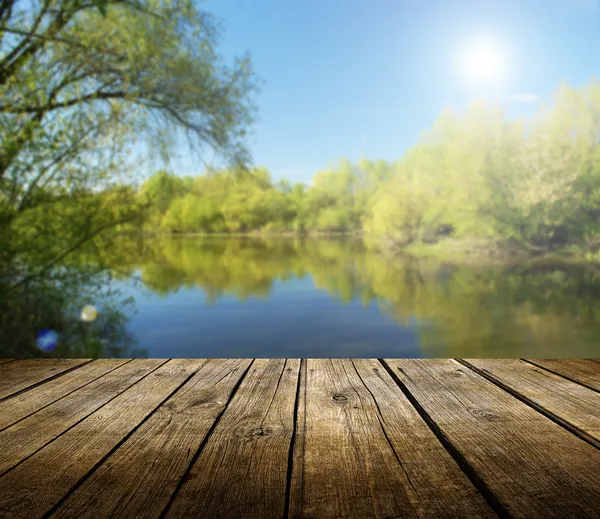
(477,174)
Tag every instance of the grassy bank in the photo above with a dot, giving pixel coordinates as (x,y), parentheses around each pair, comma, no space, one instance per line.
(494,252)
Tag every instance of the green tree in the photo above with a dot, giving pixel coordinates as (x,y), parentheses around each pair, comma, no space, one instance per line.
(544,177)
(161,188)
(77,91)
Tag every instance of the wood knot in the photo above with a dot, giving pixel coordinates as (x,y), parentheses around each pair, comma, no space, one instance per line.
(257,432)
(486,415)
(200,401)
(339,398)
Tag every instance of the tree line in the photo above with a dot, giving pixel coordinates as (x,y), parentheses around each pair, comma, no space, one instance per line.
(533,181)
(249,200)
(478,174)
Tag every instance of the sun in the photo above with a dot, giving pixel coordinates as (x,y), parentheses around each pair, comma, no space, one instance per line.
(483,61)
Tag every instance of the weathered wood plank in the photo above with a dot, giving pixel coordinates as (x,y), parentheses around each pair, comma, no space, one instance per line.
(21,374)
(583,371)
(441,487)
(360,448)
(27,403)
(25,437)
(140,477)
(533,466)
(242,469)
(349,468)
(38,484)
(570,403)
(364,451)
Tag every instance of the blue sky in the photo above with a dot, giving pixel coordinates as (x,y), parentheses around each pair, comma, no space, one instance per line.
(352,78)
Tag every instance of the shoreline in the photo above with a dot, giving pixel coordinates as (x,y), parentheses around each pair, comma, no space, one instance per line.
(456,251)
(478,252)
(248,234)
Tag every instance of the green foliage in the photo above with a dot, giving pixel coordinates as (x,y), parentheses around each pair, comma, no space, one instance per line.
(233,201)
(535,182)
(160,189)
(476,176)
(80,84)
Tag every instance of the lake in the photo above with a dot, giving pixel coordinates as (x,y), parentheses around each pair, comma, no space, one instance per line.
(290,297)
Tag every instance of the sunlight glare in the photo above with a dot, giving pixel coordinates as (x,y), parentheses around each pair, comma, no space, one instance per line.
(483,62)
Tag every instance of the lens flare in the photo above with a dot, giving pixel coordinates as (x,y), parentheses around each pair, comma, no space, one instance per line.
(47,340)
(89,313)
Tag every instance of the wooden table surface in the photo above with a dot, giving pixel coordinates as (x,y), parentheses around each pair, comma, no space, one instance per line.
(178,438)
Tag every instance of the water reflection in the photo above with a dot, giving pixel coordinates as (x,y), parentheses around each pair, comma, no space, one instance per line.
(451,310)
(44,317)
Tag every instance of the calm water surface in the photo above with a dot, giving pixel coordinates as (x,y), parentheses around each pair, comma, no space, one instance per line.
(285,297)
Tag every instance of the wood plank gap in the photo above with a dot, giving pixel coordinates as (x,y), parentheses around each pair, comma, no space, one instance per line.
(39,383)
(571,379)
(5,361)
(381,420)
(79,421)
(204,442)
(123,440)
(491,498)
(572,428)
(290,465)
(296,498)
(64,396)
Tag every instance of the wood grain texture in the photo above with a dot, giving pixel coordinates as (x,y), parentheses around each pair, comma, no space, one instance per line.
(567,401)
(311,438)
(441,487)
(362,450)
(27,403)
(21,374)
(242,469)
(534,467)
(4,361)
(38,484)
(584,371)
(25,437)
(140,477)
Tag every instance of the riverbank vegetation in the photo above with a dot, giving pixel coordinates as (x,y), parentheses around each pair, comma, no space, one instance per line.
(530,185)
(81,85)
(479,182)
(233,201)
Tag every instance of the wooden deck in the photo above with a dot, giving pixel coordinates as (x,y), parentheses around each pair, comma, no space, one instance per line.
(310,438)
